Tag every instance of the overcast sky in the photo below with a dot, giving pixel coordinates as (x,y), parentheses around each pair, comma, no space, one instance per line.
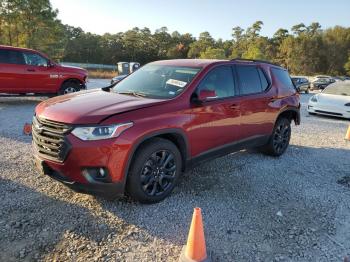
(195,16)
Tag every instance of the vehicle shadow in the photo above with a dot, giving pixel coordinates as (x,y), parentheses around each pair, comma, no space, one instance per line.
(34,225)
(240,195)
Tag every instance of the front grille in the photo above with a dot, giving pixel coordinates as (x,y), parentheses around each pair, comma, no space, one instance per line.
(49,139)
(329,113)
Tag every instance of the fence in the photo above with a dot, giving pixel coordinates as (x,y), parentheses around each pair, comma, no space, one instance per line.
(91,66)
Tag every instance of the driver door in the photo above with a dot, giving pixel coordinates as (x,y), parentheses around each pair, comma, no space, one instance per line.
(40,76)
(215,122)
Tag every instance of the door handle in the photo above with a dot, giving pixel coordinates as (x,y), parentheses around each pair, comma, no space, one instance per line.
(30,70)
(234,106)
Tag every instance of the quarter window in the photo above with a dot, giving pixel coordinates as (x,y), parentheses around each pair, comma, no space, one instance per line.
(34,59)
(283,77)
(220,80)
(250,80)
(11,57)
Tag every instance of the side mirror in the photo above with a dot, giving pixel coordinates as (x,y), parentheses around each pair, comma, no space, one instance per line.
(205,95)
(50,64)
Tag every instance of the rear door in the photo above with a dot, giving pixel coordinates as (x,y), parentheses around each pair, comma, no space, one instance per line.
(40,76)
(215,123)
(12,71)
(256,114)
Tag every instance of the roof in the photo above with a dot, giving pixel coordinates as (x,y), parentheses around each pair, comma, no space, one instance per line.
(17,48)
(207,62)
(188,62)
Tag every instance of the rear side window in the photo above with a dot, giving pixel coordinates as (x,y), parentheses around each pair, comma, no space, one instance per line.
(283,77)
(11,57)
(251,80)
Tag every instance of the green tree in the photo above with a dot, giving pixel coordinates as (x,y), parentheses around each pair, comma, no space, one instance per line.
(204,41)
(213,53)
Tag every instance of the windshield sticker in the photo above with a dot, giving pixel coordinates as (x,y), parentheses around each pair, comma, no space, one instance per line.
(171,93)
(175,82)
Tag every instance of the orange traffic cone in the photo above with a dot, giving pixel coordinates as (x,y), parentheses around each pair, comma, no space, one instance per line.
(347,136)
(195,250)
(27,129)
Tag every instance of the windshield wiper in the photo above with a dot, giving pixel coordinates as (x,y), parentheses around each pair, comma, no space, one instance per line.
(108,88)
(132,93)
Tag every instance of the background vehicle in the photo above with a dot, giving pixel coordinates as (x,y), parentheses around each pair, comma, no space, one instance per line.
(321,81)
(302,83)
(160,120)
(25,71)
(118,78)
(334,100)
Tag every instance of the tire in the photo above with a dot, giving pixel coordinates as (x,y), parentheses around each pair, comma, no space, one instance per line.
(279,139)
(307,91)
(69,87)
(154,171)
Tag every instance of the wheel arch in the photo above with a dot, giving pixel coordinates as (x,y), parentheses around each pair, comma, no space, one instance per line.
(176,136)
(75,80)
(290,113)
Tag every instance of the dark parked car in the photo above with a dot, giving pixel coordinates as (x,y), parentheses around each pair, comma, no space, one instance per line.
(302,83)
(140,135)
(322,83)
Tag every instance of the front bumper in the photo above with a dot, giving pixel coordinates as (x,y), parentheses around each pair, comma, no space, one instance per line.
(88,154)
(328,110)
(109,190)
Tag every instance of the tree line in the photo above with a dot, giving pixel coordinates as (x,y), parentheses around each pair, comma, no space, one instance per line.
(303,49)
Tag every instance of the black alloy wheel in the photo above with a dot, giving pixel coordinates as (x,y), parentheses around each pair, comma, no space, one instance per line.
(158,173)
(154,171)
(281,137)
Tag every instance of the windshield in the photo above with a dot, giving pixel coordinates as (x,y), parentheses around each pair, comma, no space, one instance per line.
(342,89)
(157,81)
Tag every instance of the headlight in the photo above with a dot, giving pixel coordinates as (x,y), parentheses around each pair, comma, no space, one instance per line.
(100,132)
(314,99)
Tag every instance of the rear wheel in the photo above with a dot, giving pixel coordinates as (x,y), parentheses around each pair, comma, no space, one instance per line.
(279,139)
(69,87)
(154,171)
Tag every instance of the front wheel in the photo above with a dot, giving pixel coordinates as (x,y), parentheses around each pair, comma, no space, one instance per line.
(69,87)
(279,139)
(154,171)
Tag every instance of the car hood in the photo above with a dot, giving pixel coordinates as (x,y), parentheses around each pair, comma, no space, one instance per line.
(74,69)
(333,99)
(90,107)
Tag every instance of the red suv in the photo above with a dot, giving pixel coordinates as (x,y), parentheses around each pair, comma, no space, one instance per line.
(24,71)
(141,134)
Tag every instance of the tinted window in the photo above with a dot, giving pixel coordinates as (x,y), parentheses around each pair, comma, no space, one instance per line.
(34,59)
(263,80)
(11,57)
(220,80)
(283,77)
(249,80)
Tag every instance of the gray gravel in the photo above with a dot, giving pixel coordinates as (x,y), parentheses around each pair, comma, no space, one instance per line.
(255,208)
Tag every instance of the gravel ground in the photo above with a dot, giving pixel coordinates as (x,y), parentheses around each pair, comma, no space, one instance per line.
(255,208)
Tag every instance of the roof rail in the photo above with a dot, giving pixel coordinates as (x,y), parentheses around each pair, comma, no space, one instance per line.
(254,61)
